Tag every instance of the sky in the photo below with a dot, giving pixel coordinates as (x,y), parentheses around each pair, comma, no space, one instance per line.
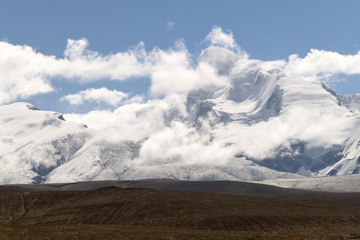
(127,69)
(83,56)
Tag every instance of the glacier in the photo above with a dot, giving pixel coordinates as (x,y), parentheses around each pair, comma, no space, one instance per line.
(256,124)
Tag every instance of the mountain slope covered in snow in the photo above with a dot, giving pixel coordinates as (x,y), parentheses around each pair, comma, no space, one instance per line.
(40,146)
(250,124)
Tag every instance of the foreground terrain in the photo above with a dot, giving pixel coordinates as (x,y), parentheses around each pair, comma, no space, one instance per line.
(138,213)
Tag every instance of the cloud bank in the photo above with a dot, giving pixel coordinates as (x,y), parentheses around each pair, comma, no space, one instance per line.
(166,121)
(24,72)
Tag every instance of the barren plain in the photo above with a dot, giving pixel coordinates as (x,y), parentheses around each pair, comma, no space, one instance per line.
(111,212)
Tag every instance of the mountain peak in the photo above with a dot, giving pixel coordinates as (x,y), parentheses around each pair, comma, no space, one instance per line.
(258,125)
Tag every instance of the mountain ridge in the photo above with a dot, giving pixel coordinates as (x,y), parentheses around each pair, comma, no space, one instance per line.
(255,125)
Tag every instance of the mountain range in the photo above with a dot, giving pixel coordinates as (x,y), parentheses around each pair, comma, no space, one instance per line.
(258,124)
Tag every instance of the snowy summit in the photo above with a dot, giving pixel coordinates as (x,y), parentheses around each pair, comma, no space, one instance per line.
(239,119)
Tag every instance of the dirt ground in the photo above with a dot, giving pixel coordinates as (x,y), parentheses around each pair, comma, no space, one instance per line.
(118,213)
(85,232)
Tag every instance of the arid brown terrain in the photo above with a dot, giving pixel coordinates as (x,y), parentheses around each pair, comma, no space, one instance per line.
(254,212)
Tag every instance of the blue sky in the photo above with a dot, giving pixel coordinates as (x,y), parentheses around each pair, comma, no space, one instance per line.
(266,30)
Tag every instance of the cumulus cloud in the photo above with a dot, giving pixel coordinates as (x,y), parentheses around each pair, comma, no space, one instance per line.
(86,65)
(173,72)
(24,72)
(223,39)
(110,97)
(169,25)
(319,65)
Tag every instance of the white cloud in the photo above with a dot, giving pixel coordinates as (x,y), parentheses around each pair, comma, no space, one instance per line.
(135,120)
(22,72)
(25,72)
(169,25)
(172,72)
(87,66)
(318,65)
(113,98)
(185,145)
(163,122)
(320,129)
(168,122)
(135,99)
(226,40)
(321,62)
(174,136)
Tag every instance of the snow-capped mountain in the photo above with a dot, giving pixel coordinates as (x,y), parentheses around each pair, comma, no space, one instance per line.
(289,124)
(258,124)
(39,146)
(343,183)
